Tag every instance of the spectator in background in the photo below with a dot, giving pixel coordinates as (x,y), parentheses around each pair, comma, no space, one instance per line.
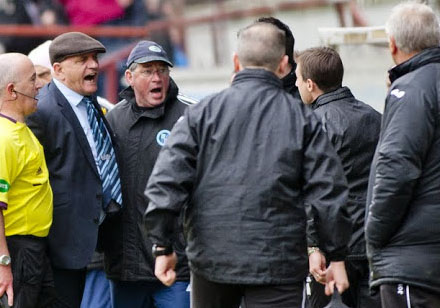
(156,10)
(25,192)
(171,11)
(106,12)
(353,129)
(81,159)
(246,160)
(142,121)
(402,228)
(40,58)
(94,12)
(32,12)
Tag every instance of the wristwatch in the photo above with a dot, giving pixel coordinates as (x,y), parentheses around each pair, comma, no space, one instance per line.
(311,250)
(5,260)
(161,252)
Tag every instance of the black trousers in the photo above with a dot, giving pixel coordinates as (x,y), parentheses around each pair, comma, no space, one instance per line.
(69,287)
(356,296)
(207,294)
(403,296)
(31,271)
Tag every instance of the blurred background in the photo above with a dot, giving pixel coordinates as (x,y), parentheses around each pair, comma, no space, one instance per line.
(200,35)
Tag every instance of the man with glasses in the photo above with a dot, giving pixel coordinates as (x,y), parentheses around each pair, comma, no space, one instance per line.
(142,122)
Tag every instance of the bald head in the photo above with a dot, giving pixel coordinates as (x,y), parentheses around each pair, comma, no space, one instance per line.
(261,45)
(18,86)
(11,66)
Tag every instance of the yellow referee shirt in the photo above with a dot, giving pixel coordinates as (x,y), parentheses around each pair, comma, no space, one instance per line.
(24,181)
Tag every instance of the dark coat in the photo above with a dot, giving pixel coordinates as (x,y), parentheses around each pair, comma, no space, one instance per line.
(353,128)
(403,230)
(75,181)
(138,132)
(247,159)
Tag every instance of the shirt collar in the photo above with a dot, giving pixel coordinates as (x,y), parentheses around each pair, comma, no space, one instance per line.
(7,117)
(72,97)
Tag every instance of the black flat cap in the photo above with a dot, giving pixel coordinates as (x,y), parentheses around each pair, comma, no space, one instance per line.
(72,44)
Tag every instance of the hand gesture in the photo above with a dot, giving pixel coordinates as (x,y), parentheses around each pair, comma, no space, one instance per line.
(164,269)
(317,266)
(6,283)
(336,275)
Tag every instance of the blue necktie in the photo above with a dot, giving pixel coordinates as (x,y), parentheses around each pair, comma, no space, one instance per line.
(108,168)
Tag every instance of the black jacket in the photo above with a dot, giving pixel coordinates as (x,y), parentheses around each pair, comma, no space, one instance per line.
(353,128)
(140,134)
(403,229)
(247,159)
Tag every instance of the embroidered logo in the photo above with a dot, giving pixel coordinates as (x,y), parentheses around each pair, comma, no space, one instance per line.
(397,93)
(400,290)
(154,49)
(4,186)
(162,136)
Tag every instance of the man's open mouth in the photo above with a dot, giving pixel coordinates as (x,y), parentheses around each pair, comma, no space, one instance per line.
(90,77)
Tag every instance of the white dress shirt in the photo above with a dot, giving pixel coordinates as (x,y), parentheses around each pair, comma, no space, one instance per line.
(80,110)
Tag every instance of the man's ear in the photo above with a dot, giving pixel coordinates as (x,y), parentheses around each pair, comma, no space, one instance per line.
(392,45)
(129,76)
(311,86)
(283,67)
(57,69)
(237,64)
(10,89)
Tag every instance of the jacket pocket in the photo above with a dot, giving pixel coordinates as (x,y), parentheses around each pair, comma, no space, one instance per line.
(30,265)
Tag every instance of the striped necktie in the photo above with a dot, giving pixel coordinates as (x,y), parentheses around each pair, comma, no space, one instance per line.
(107,166)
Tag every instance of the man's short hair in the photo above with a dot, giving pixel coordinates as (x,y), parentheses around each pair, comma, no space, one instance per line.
(323,66)
(414,27)
(9,68)
(290,40)
(261,45)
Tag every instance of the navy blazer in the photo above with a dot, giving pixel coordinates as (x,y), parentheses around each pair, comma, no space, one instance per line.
(74,178)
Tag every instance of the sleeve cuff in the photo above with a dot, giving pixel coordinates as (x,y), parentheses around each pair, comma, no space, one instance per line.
(3,206)
(337,256)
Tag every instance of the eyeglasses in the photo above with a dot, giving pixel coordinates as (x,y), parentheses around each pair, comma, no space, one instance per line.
(163,71)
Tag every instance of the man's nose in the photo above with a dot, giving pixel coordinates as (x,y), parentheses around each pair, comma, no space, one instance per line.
(155,75)
(38,84)
(93,63)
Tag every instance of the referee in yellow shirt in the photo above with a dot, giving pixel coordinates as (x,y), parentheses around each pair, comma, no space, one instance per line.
(25,192)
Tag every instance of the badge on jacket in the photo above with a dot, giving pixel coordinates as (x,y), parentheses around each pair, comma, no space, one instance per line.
(162,136)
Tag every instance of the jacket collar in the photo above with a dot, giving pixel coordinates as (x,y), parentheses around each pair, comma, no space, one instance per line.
(430,55)
(257,73)
(289,81)
(155,112)
(338,94)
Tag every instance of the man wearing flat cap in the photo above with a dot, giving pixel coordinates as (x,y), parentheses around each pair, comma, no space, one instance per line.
(142,121)
(81,158)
